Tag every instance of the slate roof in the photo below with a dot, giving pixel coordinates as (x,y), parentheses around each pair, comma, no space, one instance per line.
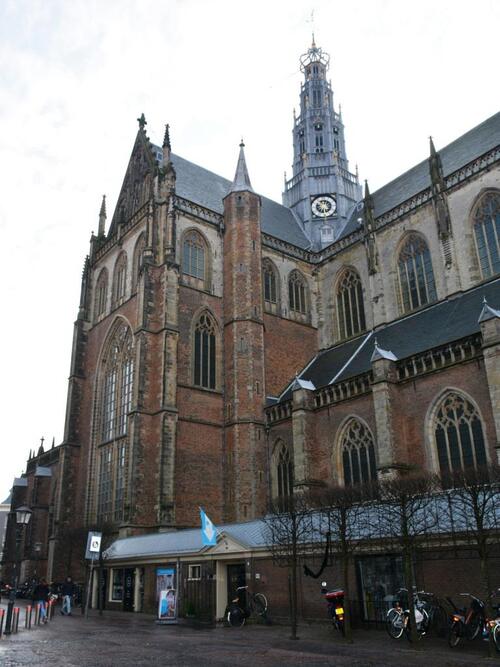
(203,187)
(249,534)
(452,319)
(434,515)
(465,149)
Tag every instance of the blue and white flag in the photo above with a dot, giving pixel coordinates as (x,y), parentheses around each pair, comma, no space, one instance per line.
(208,530)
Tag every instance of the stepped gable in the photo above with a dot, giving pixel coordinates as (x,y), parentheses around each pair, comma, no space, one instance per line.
(438,324)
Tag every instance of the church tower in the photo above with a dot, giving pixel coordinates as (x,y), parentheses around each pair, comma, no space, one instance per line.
(322,191)
(244,381)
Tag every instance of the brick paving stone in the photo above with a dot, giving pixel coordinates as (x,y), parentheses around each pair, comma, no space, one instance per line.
(128,640)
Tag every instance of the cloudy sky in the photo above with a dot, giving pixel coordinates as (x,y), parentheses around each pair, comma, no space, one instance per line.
(75,75)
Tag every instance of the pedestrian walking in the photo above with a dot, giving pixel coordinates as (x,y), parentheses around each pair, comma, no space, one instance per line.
(68,591)
(41,596)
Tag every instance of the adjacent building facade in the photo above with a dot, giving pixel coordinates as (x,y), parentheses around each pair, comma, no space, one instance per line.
(229,348)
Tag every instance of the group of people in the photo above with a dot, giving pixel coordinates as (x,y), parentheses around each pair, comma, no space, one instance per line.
(42,594)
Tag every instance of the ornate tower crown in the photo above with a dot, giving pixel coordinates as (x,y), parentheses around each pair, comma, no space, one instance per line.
(322,192)
(314,55)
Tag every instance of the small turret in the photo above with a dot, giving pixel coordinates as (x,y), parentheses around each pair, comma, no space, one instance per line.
(102,218)
(241,182)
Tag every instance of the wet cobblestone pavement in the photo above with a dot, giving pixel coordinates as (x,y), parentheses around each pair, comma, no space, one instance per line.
(128,640)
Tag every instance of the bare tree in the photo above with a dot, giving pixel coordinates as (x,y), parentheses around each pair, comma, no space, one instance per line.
(474,502)
(406,514)
(287,530)
(342,510)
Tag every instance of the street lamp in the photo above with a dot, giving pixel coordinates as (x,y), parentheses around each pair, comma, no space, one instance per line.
(23,516)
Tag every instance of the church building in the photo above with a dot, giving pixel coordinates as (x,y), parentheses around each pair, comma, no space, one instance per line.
(229,348)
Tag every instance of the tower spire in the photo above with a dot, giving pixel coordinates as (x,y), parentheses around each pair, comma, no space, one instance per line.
(241,182)
(102,217)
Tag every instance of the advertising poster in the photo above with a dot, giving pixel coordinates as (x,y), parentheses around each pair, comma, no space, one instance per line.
(166,592)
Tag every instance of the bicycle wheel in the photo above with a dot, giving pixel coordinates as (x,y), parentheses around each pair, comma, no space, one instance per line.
(236,617)
(473,627)
(394,623)
(454,634)
(496,636)
(439,621)
(260,604)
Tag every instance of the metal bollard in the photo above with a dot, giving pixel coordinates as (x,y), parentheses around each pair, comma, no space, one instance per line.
(2,614)
(27,619)
(15,620)
(37,614)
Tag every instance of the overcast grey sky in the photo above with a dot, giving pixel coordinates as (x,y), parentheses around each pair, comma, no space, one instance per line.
(75,75)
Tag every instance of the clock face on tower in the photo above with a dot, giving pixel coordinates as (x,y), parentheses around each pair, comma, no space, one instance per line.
(323,206)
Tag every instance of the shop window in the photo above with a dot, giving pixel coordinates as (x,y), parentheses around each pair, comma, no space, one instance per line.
(194,572)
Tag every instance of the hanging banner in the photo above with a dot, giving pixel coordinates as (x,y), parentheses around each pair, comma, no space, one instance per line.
(166,592)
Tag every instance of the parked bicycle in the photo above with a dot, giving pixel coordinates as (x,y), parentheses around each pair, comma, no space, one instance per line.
(467,623)
(398,617)
(237,613)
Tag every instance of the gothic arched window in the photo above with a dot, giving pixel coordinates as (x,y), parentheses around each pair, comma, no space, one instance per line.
(205,352)
(358,454)
(136,266)
(459,435)
(282,475)
(487,233)
(101,294)
(297,293)
(120,279)
(117,383)
(194,260)
(116,379)
(270,285)
(350,308)
(416,278)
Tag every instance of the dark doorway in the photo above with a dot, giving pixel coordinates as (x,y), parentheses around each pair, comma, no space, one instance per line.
(235,578)
(128,589)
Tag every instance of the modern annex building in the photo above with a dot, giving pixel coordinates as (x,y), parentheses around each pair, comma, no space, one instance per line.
(229,348)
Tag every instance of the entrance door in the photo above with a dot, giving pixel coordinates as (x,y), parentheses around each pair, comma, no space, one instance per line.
(236,577)
(128,589)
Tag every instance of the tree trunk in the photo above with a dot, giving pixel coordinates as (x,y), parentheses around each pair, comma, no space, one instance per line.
(410,585)
(293,599)
(347,598)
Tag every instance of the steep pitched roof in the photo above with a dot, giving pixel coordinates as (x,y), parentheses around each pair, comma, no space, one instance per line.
(438,324)
(465,149)
(207,189)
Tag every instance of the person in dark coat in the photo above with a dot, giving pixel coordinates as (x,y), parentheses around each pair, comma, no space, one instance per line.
(68,591)
(41,597)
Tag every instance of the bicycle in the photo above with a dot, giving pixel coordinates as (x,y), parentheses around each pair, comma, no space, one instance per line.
(398,619)
(236,614)
(468,623)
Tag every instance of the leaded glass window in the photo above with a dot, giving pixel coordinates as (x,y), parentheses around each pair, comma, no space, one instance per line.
(297,297)
(459,435)
(416,278)
(487,234)
(105,498)
(119,481)
(270,285)
(193,256)
(358,454)
(117,384)
(204,362)
(350,308)
(284,475)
